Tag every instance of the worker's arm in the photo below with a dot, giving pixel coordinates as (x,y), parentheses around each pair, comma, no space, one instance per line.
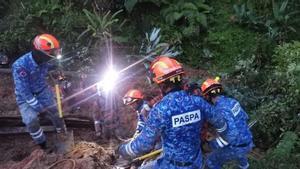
(227,131)
(140,123)
(21,80)
(145,141)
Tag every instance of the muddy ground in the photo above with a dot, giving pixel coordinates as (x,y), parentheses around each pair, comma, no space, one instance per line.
(89,152)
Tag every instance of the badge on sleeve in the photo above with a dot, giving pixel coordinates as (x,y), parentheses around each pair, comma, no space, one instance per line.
(22,72)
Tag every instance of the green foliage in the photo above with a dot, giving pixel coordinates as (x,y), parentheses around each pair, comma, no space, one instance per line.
(282,22)
(285,155)
(152,47)
(186,16)
(278,26)
(278,111)
(99,26)
(245,15)
(192,14)
(130,4)
(28,18)
(230,45)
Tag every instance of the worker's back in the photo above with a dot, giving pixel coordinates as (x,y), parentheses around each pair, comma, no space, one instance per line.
(236,118)
(180,124)
(29,78)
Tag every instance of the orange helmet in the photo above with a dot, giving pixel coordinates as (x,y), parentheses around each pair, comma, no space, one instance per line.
(132,96)
(211,86)
(164,68)
(47,44)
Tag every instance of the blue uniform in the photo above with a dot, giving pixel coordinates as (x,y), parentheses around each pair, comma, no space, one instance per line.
(141,117)
(178,119)
(33,95)
(235,139)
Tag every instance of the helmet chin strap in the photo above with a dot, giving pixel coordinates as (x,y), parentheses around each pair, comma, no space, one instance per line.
(42,57)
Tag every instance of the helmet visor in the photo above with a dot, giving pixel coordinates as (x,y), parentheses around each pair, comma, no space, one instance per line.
(128,100)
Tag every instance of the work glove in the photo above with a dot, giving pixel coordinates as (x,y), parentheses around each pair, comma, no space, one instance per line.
(120,151)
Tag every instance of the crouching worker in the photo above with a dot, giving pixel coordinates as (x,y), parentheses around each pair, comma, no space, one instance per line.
(177,119)
(135,99)
(234,140)
(33,94)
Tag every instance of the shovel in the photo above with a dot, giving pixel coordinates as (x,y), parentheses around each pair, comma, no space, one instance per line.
(65,139)
(123,164)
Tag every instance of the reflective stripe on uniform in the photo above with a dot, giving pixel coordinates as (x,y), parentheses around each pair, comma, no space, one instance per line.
(37,134)
(219,143)
(223,141)
(129,149)
(32,102)
(146,107)
(244,167)
(222,129)
(142,124)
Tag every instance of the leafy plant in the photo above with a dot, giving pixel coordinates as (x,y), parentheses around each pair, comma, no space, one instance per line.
(282,21)
(99,26)
(277,26)
(152,47)
(245,15)
(283,156)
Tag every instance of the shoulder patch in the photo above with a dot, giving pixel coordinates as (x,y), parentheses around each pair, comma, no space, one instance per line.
(236,109)
(22,72)
(186,118)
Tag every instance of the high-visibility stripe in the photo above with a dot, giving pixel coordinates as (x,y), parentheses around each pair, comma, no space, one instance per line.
(223,141)
(38,136)
(129,149)
(146,107)
(34,103)
(244,167)
(31,100)
(219,143)
(222,129)
(35,133)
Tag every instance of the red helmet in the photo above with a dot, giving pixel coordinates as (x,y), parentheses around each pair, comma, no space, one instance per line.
(164,68)
(132,96)
(211,86)
(47,44)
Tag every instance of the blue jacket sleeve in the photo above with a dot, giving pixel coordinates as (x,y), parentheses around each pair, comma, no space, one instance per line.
(227,130)
(140,123)
(22,86)
(145,141)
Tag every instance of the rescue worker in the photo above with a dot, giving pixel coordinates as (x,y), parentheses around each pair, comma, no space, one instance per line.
(135,99)
(33,94)
(233,141)
(177,119)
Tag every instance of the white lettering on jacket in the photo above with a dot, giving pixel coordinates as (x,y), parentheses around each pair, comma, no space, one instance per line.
(236,109)
(186,118)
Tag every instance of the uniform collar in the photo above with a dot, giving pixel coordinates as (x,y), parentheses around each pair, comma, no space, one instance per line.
(34,64)
(219,99)
(141,106)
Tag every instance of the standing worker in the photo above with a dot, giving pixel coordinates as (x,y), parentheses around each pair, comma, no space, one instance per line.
(33,94)
(234,140)
(177,119)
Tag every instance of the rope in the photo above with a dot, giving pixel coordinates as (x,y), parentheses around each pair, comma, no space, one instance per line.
(60,161)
